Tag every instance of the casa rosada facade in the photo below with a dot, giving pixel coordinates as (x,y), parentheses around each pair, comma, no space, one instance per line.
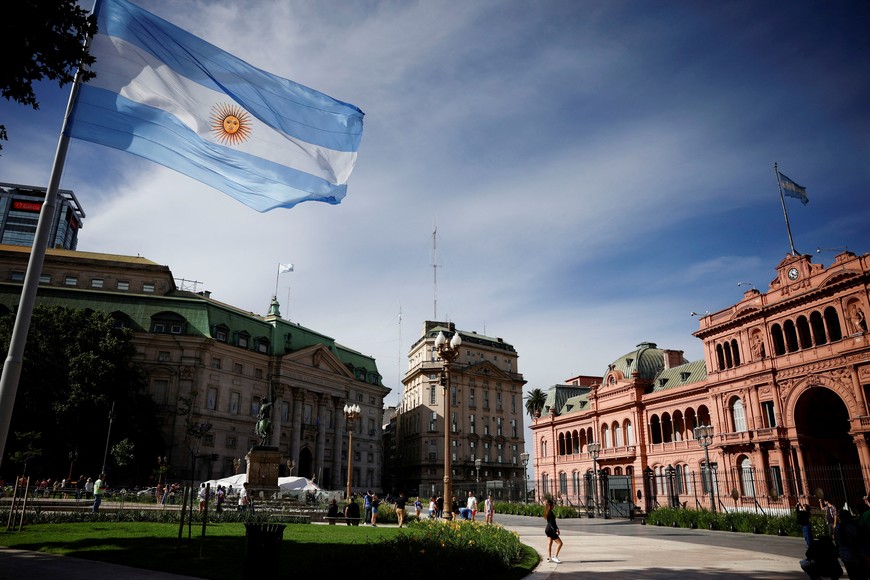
(783,384)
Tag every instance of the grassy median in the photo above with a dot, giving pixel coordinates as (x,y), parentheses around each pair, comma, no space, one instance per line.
(421,550)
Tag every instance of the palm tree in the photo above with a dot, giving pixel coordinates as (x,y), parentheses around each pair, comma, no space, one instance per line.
(535,402)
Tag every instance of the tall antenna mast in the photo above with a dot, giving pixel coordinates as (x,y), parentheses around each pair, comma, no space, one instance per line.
(399,363)
(434,271)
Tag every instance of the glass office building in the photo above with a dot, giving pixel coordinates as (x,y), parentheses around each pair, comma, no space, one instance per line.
(20,206)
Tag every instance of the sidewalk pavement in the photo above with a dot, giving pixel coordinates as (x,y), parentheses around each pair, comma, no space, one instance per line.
(594,549)
(598,549)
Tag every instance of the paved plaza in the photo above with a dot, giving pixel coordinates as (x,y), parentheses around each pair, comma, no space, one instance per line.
(594,549)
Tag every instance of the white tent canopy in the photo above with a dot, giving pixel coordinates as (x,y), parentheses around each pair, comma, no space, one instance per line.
(284,483)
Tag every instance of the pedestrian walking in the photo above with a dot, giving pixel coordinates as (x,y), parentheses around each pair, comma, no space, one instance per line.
(400,508)
(418,507)
(376,502)
(99,488)
(367,504)
(244,499)
(552,532)
(489,508)
(830,512)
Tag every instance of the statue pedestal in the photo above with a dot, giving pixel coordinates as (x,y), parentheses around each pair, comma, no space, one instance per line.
(263,461)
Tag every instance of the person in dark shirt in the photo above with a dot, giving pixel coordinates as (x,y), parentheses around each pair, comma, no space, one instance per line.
(400,508)
(351,513)
(802,513)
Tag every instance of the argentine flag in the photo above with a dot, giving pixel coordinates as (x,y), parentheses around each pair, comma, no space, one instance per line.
(792,189)
(170,97)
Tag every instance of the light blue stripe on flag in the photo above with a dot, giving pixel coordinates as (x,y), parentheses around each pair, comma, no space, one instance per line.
(170,97)
(792,189)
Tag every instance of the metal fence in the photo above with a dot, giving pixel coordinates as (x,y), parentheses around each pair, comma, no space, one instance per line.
(768,491)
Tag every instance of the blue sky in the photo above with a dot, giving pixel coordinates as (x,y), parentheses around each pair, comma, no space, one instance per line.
(596,170)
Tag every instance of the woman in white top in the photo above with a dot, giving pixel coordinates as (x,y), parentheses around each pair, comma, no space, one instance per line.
(489,508)
(433,508)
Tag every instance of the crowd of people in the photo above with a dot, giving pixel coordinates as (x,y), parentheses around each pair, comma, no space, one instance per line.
(846,539)
(402,504)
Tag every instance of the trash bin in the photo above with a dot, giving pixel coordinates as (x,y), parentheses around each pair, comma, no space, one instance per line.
(263,551)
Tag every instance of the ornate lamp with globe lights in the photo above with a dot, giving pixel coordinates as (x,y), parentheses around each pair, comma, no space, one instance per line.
(447,352)
(351,414)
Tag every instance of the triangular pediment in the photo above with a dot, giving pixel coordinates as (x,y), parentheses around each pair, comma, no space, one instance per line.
(487,369)
(319,357)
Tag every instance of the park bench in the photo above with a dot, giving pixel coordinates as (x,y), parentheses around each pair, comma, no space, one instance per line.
(341,519)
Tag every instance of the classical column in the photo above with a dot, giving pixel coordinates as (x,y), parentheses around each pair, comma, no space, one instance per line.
(337,444)
(321,439)
(858,389)
(298,396)
(799,454)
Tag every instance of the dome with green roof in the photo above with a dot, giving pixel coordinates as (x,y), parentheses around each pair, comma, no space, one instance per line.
(647,361)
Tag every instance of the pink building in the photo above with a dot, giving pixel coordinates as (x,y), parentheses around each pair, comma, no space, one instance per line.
(783,385)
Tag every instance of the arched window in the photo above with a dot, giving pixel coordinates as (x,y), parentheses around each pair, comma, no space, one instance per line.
(818,327)
(729,360)
(791,342)
(655,429)
(680,483)
(747,478)
(735,352)
(679,426)
(803,330)
(667,428)
(720,357)
(563,483)
(575,483)
(832,321)
(778,339)
(617,434)
(605,437)
(629,433)
(738,415)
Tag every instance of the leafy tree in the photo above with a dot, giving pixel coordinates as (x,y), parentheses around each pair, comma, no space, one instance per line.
(535,402)
(77,364)
(43,39)
(31,448)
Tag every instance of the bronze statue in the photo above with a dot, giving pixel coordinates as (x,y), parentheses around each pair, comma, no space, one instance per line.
(263,428)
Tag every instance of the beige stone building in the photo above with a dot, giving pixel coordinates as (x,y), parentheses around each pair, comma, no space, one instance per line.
(485,417)
(783,384)
(224,361)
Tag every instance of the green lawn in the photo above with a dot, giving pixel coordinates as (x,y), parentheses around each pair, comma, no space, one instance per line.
(325,551)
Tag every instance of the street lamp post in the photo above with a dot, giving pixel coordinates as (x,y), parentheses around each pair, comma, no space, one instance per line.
(594,451)
(704,436)
(351,414)
(447,353)
(524,457)
(477,469)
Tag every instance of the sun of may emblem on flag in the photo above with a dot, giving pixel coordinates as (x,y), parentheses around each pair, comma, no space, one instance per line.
(230,123)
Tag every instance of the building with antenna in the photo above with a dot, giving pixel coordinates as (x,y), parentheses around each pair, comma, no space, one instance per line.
(485,418)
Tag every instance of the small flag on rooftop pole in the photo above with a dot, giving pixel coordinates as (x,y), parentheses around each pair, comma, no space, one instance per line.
(166,95)
(282,269)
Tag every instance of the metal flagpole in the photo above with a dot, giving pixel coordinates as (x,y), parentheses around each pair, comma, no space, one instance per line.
(784,212)
(276,279)
(14,360)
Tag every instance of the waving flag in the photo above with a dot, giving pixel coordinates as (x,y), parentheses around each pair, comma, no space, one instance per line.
(284,268)
(170,97)
(792,189)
